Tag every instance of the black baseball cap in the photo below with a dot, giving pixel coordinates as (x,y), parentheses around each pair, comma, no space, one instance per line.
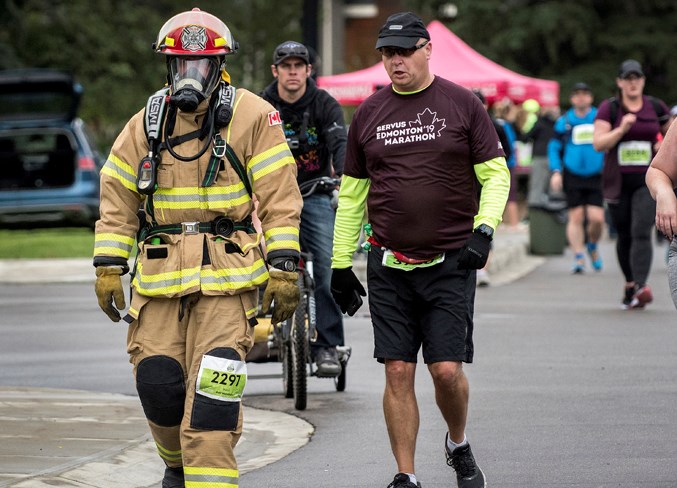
(581,87)
(290,49)
(403,30)
(630,67)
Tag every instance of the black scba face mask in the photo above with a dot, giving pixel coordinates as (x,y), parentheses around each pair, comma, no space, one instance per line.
(186,99)
(193,80)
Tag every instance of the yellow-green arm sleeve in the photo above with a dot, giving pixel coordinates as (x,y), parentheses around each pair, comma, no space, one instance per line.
(352,204)
(494,177)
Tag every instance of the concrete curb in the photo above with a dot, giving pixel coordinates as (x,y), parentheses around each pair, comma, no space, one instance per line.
(77,270)
(510,259)
(123,453)
(90,439)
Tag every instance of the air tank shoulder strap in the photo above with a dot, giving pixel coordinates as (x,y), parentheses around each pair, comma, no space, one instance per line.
(223,115)
(154,116)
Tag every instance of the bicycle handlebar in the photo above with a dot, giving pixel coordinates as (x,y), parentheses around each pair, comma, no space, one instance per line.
(324,183)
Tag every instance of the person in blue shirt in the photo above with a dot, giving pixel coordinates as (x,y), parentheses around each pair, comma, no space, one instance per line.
(577,170)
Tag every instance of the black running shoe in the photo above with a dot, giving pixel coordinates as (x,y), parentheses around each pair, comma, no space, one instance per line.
(628,295)
(468,473)
(173,478)
(328,364)
(402,481)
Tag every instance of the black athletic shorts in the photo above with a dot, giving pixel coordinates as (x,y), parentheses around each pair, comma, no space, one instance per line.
(582,190)
(431,307)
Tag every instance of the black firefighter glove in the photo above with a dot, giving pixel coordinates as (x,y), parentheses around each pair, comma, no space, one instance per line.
(108,288)
(347,290)
(283,290)
(475,252)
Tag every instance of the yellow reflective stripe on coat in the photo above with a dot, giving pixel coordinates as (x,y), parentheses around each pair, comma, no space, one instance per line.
(167,455)
(207,279)
(108,244)
(210,477)
(133,313)
(212,197)
(282,238)
(234,278)
(251,313)
(118,169)
(169,283)
(269,161)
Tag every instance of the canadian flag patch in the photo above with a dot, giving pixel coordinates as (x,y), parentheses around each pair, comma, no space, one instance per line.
(274,118)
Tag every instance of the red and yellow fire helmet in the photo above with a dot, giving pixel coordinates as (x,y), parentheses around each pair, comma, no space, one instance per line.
(195,33)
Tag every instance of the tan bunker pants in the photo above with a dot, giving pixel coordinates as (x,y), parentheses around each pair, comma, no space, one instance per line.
(175,357)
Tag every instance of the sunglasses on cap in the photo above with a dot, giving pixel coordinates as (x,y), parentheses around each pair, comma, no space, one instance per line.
(389,51)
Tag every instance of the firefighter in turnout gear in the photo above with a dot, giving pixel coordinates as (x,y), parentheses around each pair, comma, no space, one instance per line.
(194,159)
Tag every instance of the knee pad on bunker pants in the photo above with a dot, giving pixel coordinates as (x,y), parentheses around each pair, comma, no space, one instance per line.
(218,395)
(162,390)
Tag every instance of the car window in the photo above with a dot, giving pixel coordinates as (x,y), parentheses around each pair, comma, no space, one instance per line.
(36,160)
(41,143)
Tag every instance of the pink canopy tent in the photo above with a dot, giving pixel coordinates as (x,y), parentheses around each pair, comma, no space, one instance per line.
(454,60)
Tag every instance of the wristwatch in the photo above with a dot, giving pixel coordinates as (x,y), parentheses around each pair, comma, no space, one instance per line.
(285,264)
(485,230)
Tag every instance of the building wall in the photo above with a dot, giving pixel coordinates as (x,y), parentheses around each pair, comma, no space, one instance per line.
(360,34)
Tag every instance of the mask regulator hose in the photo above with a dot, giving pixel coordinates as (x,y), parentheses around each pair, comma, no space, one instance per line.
(168,141)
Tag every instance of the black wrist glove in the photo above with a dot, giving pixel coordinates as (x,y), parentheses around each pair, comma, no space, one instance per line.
(347,290)
(475,252)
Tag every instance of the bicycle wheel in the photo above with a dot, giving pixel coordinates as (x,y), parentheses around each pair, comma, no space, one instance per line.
(287,360)
(300,354)
(340,380)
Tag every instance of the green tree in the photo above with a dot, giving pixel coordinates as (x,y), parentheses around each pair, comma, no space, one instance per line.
(107,46)
(571,40)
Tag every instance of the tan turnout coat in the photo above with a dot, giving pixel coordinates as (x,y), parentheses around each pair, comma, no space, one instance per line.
(257,139)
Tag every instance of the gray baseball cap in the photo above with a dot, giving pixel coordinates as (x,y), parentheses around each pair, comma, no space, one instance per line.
(630,67)
(580,86)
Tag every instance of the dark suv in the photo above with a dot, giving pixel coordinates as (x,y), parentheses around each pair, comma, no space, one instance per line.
(49,169)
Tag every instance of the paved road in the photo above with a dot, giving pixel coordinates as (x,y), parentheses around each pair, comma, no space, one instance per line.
(57,340)
(567,390)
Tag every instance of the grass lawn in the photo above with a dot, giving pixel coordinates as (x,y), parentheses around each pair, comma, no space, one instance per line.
(63,242)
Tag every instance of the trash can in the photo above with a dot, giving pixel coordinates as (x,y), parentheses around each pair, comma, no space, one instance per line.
(547,213)
(547,230)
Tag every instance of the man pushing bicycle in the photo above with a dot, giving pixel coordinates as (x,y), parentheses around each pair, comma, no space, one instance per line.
(313,123)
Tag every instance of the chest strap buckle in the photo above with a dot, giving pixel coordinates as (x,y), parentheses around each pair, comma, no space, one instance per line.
(219,147)
(190,227)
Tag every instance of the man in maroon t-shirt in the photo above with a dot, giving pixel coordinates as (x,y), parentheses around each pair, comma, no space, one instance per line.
(419,152)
